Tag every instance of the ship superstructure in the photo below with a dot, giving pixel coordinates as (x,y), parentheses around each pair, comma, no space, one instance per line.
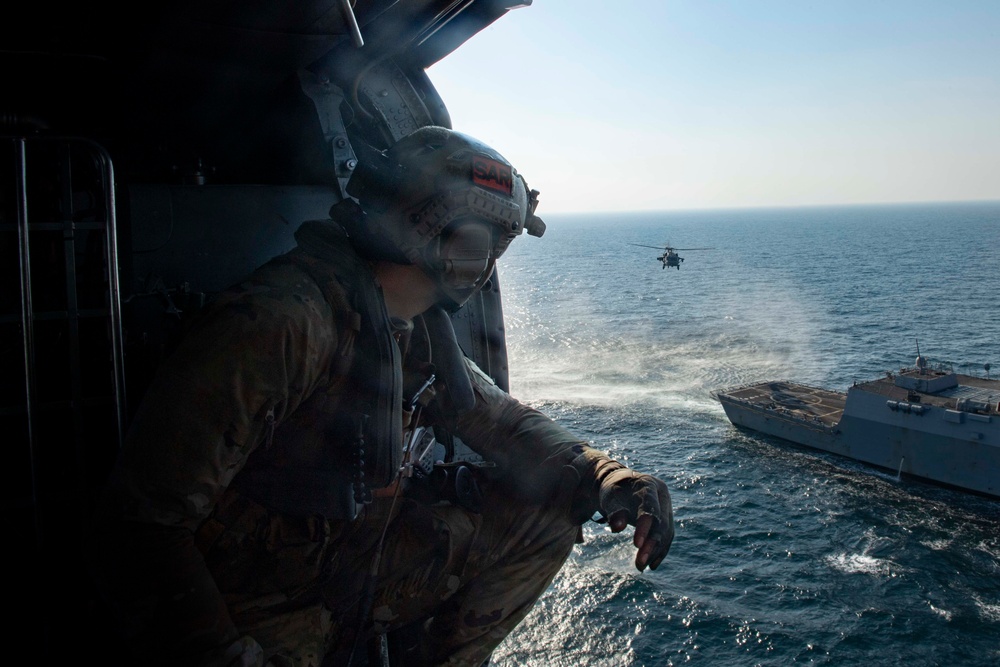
(930,423)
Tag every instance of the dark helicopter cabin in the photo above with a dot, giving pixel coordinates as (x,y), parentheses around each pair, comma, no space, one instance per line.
(152,155)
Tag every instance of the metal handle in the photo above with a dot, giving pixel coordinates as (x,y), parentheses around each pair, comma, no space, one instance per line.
(352,22)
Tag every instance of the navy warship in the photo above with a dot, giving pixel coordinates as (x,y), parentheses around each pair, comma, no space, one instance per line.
(924,422)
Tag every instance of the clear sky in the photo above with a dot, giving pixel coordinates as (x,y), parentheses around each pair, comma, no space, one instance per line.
(618,105)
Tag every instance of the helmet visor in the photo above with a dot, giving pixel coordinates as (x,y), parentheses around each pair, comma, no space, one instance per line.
(464,253)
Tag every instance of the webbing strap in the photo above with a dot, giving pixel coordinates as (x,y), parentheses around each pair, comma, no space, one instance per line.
(326,255)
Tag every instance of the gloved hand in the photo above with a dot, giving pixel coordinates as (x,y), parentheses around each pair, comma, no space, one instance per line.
(244,652)
(626,497)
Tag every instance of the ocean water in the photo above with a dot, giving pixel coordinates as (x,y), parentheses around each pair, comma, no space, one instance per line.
(782,556)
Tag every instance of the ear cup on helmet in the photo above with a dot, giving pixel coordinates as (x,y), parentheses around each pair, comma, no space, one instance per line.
(464,253)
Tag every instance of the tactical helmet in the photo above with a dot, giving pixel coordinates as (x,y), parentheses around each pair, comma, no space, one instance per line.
(445,202)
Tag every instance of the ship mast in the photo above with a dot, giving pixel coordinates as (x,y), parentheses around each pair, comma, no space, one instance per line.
(921,362)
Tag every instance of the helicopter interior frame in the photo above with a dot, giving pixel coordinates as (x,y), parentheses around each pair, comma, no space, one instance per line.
(150,159)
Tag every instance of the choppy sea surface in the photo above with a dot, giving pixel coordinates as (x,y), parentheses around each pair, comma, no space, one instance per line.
(782,555)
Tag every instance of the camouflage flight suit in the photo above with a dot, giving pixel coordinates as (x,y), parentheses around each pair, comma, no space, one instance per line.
(215,527)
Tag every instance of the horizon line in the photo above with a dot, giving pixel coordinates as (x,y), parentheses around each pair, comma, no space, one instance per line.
(771,207)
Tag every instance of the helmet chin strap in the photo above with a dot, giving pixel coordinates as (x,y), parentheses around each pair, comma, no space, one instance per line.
(448,303)
(451,299)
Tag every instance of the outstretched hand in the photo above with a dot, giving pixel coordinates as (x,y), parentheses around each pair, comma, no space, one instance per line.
(631,498)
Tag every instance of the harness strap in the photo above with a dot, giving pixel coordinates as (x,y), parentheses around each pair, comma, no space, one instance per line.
(325,254)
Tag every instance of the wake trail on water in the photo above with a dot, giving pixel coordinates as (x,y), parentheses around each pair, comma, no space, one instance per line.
(574,356)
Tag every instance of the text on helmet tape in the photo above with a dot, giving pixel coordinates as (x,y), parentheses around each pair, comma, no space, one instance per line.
(492,174)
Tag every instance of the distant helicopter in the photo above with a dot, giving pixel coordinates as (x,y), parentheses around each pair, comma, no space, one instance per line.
(669,256)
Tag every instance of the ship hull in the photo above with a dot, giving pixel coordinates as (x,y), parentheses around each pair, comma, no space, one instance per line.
(929,442)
